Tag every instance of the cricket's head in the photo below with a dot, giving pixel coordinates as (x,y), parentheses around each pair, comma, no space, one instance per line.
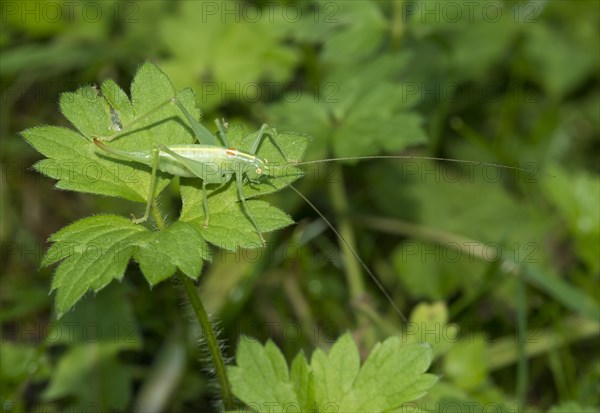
(258,169)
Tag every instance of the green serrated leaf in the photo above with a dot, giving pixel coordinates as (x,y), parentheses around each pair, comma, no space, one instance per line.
(406,363)
(260,379)
(235,54)
(393,374)
(277,361)
(354,112)
(302,380)
(149,87)
(163,252)
(87,110)
(335,372)
(305,115)
(75,166)
(119,101)
(230,228)
(349,31)
(94,251)
(369,130)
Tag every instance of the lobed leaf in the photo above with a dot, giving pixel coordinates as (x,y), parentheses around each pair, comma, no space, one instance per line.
(118,100)
(72,161)
(335,373)
(87,110)
(180,246)
(393,374)
(94,251)
(221,67)
(261,377)
(303,381)
(229,226)
(405,363)
(360,113)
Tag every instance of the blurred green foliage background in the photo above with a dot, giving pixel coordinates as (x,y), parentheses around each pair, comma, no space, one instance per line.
(498,269)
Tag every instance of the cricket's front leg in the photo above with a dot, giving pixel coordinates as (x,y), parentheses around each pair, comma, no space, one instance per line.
(258,139)
(153,181)
(223,181)
(240,188)
(203,135)
(272,133)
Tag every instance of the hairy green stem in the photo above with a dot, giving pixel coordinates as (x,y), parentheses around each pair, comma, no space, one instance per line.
(205,324)
(160,222)
(211,339)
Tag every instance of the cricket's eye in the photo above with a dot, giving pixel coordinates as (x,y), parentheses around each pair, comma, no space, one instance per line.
(259,171)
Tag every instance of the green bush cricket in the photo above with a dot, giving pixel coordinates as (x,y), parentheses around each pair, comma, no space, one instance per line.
(208,160)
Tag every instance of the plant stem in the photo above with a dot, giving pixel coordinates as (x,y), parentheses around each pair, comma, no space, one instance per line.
(397,24)
(340,205)
(521,390)
(211,339)
(505,352)
(160,222)
(394,226)
(205,324)
(352,267)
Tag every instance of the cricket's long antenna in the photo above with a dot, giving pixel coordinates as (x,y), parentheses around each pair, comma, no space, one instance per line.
(362,263)
(427,158)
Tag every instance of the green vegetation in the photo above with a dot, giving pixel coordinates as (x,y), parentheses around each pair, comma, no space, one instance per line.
(496,270)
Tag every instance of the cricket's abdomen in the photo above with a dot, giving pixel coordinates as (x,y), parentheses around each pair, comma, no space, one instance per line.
(214,161)
(167,164)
